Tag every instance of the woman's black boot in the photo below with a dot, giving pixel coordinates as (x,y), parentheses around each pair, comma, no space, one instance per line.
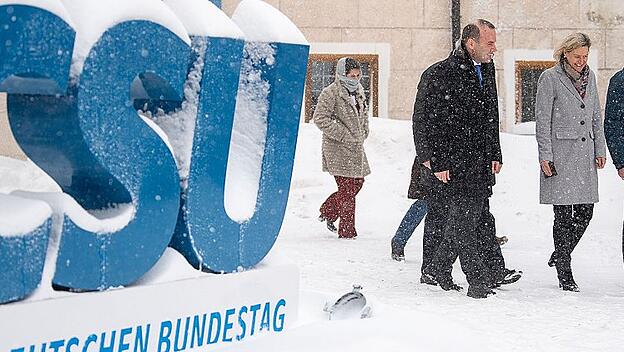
(564,274)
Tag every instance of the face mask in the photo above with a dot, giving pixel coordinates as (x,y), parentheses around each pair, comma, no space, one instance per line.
(350,83)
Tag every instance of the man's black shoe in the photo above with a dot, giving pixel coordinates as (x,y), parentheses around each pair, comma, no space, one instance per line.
(447,284)
(501,240)
(428,279)
(479,291)
(509,277)
(451,286)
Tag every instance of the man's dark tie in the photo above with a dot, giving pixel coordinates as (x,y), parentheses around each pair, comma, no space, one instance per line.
(478,69)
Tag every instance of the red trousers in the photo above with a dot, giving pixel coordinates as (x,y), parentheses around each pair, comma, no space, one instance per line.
(341,205)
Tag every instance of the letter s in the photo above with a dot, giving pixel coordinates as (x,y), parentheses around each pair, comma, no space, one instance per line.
(99,151)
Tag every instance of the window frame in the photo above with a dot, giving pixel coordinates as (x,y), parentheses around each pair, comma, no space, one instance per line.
(524,65)
(371,59)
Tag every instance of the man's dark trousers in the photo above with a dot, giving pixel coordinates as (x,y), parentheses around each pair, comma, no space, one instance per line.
(435,244)
(433,235)
(491,254)
(468,233)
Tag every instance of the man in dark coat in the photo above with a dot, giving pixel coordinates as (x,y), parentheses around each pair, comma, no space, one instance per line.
(614,125)
(458,152)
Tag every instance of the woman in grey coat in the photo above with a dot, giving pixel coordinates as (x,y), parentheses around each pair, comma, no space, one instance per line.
(571,147)
(341,114)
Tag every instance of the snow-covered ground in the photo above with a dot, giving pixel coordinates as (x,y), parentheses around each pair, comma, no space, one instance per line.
(531,315)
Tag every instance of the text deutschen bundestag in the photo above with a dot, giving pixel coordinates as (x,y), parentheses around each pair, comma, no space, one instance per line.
(176,334)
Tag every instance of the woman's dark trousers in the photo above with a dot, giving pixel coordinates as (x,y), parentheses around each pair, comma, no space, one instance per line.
(570,224)
(341,205)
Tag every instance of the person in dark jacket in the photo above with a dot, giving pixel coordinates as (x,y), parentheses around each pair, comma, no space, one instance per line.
(460,114)
(614,126)
(409,223)
(434,229)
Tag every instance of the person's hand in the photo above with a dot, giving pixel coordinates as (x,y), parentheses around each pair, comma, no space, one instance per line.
(546,168)
(496,167)
(601,161)
(443,176)
(621,173)
(427,164)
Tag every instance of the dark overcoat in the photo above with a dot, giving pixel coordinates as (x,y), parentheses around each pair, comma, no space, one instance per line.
(614,119)
(455,126)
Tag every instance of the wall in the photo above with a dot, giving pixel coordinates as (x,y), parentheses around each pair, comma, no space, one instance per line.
(418,32)
(8,146)
(542,24)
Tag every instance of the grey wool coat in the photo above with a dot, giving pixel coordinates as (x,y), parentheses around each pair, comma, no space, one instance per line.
(344,131)
(569,133)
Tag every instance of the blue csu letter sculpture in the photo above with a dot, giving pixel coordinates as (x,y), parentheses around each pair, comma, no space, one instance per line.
(35,55)
(88,137)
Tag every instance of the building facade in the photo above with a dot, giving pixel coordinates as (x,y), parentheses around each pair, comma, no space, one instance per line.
(406,36)
(398,39)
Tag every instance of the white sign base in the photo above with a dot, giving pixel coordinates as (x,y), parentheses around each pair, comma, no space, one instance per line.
(188,315)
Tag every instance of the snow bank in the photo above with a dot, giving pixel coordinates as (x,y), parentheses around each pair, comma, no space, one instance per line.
(203,18)
(94,17)
(262,22)
(53,6)
(20,216)
(98,221)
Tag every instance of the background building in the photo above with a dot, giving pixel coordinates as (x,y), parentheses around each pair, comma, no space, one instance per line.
(398,39)
(401,38)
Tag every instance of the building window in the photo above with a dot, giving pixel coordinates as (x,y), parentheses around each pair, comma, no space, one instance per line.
(322,71)
(527,73)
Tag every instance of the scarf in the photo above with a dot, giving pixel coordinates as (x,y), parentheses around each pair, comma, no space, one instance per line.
(351,84)
(579,79)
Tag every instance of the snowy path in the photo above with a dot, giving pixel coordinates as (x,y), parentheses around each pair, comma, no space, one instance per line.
(531,315)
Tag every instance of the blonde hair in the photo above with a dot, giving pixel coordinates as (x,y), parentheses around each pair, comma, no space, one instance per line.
(571,43)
